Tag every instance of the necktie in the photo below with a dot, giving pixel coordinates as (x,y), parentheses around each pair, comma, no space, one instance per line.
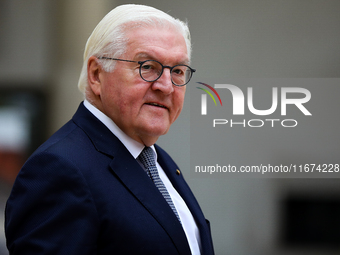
(148,160)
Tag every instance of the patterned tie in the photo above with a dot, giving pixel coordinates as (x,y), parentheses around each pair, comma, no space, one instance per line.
(148,160)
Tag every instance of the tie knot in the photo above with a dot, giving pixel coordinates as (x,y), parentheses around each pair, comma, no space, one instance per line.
(147,157)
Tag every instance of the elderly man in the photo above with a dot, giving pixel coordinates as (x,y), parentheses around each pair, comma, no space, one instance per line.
(100,185)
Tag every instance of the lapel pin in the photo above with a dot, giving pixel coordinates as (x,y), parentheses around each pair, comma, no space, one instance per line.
(178,172)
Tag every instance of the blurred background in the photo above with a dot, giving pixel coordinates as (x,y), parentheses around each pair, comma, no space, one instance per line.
(41,47)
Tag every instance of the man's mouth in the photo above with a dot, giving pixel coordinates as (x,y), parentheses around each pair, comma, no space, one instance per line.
(158,105)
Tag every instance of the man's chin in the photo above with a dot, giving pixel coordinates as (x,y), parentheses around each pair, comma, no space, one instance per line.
(151,135)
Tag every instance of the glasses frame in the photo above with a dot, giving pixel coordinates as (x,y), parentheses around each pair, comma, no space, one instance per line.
(163,66)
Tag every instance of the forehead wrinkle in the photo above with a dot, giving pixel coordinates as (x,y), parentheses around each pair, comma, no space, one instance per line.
(148,49)
(149,46)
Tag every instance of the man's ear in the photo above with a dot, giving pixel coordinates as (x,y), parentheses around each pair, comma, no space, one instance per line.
(94,70)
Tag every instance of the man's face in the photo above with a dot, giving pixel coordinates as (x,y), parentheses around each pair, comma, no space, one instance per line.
(145,110)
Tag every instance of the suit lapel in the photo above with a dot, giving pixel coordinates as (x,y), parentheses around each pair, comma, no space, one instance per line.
(183,189)
(141,186)
(179,183)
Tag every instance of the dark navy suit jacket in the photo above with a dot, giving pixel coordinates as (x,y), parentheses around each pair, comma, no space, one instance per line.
(83,193)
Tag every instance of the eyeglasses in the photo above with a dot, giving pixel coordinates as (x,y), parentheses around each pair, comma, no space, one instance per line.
(152,70)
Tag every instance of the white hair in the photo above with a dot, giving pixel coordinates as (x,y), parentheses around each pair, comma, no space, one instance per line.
(108,38)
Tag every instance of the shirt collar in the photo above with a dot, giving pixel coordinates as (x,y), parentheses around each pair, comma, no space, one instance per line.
(134,147)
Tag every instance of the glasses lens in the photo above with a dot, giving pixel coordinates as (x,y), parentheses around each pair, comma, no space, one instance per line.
(151,70)
(181,75)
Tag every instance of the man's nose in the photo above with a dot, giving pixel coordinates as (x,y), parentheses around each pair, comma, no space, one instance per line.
(164,82)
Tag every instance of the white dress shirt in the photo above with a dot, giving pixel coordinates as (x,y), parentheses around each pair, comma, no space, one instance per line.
(135,148)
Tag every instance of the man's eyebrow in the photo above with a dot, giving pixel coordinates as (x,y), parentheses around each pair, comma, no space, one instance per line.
(148,56)
(143,55)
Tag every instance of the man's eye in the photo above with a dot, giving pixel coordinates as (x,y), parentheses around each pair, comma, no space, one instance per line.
(146,67)
(178,71)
